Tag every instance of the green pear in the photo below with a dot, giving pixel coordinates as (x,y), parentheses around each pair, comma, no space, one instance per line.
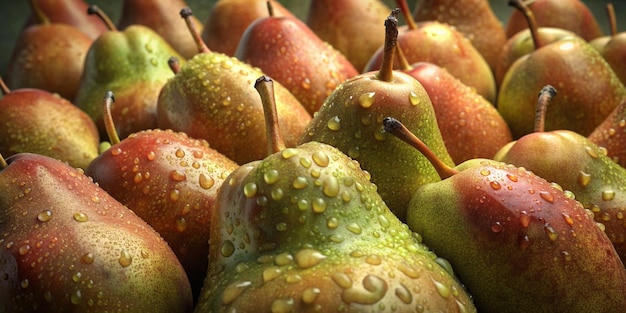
(212,98)
(303,230)
(133,64)
(516,241)
(351,117)
(68,246)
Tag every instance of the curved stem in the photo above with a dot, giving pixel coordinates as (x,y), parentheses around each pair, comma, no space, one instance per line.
(385,73)
(39,14)
(186,14)
(265,87)
(94,9)
(610,12)
(396,128)
(3,87)
(404,63)
(545,96)
(406,13)
(109,125)
(530,19)
(3,162)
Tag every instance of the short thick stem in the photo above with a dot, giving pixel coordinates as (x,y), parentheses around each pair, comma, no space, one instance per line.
(545,96)
(385,73)
(174,64)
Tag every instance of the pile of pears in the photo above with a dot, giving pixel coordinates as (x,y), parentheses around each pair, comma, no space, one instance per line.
(361,156)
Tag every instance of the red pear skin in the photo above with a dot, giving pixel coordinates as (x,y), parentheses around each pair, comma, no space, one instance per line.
(68,246)
(614,52)
(291,53)
(611,134)
(170,181)
(71,12)
(228,20)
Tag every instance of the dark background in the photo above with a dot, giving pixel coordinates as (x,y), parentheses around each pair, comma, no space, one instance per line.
(13,14)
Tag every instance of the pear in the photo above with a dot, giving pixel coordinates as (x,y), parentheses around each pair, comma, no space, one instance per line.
(474,18)
(577,165)
(516,241)
(68,246)
(351,117)
(132,63)
(351,26)
(572,15)
(613,47)
(162,17)
(444,45)
(170,181)
(589,89)
(319,66)
(212,98)
(227,20)
(611,134)
(70,12)
(303,230)
(37,121)
(48,56)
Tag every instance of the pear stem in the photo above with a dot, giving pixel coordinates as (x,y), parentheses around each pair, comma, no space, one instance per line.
(3,162)
(406,13)
(109,125)
(3,87)
(39,14)
(404,63)
(530,19)
(94,9)
(265,87)
(174,64)
(545,96)
(270,8)
(396,128)
(610,12)
(186,14)
(385,73)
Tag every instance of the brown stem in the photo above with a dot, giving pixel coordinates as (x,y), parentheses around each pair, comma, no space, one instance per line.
(404,63)
(186,14)
(270,8)
(3,87)
(610,12)
(265,87)
(406,13)
(545,95)
(396,128)
(3,162)
(109,125)
(174,64)
(94,9)
(530,19)
(39,13)
(385,73)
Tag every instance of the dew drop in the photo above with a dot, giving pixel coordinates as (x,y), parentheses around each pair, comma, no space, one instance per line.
(151,156)
(271,273)
(44,216)
(524,219)
(512,177)
(409,270)
(608,195)
(552,234)
(366,99)
(354,228)
(125,258)
(306,84)
(250,190)
(177,175)
(181,224)
(288,153)
(334,123)
(330,187)
(23,250)
(332,223)
(234,290)
(485,172)
(320,158)
(591,152)
(374,289)
(179,153)
(116,151)
(319,205)
(568,219)
(414,98)
(306,163)
(87,258)
(283,259)
(442,289)
(583,179)
(277,194)
(546,195)
(495,185)
(270,177)
(80,217)
(283,305)
(300,182)
(373,259)
(309,295)
(206,182)
(76,297)
(24,283)
(497,227)
(227,249)
(342,280)
(307,258)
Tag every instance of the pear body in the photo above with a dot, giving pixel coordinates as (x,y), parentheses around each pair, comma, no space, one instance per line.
(304,230)
(610,134)
(71,12)
(614,52)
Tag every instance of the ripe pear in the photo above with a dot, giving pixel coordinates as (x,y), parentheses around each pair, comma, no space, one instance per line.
(611,134)
(162,17)
(282,46)
(131,62)
(68,246)
(572,15)
(351,117)
(48,56)
(303,230)
(170,181)
(444,45)
(613,47)
(589,89)
(212,97)
(37,121)
(351,26)
(474,18)
(70,12)
(228,19)
(515,240)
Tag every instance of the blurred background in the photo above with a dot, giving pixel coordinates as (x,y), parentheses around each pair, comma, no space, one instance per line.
(13,15)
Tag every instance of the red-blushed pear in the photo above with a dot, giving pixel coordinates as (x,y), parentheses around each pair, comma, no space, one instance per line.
(68,246)
(600,42)
(351,117)
(613,47)
(303,230)
(71,12)
(162,17)
(228,20)
(212,97)
(577,165)
(170,181)
(131,62)
(471,127)
(37,121)
(589,89)
(474,18)
(351,26)
(442,44)
(572,15)
(611,134)
(287,50)
(48,56)
(516,241)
